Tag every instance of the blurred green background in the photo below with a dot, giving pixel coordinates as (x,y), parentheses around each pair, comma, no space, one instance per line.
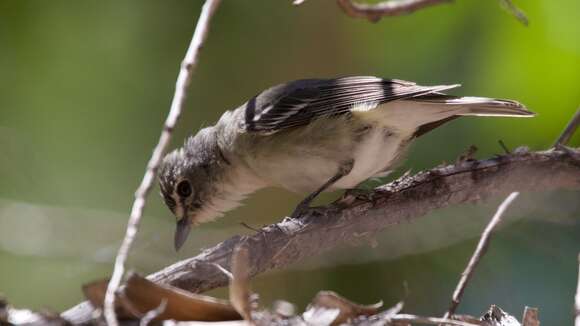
(86,85)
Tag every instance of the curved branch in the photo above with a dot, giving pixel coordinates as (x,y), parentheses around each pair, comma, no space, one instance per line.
(376,11)
(405,199)
(291,240)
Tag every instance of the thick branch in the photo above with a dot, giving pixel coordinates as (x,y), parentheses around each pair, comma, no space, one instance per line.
(291,240)
(344,221)
(183,81)
(375,12)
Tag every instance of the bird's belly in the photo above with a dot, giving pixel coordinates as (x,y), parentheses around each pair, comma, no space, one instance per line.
(375,154)
(303,160)
(372,155)
(300,174)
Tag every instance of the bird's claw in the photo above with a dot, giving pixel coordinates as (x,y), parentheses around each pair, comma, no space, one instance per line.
(302,209)
(570,151)
(359,194)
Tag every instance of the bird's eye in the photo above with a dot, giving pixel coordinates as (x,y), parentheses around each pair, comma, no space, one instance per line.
(184,189)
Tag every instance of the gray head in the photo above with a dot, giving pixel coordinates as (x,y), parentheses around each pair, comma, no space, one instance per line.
(189,181)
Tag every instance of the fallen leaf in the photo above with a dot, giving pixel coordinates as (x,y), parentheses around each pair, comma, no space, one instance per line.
(495,316)
(347,309)
(530,317)
(321,316)
(240,283)
(141,296)
(284,309)
(95,293)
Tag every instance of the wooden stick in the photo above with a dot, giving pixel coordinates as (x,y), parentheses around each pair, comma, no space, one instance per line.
(183,81)
(478,254)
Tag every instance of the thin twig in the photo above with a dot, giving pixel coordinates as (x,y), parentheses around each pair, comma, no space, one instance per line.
(577,301)
(183,81)
(152,314)
(223,270)
(376,11)
(509,6)
(478,254)
(570,129)
(428,320)
(504,147)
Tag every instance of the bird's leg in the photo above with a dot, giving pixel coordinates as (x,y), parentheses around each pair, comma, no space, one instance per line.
(304,205)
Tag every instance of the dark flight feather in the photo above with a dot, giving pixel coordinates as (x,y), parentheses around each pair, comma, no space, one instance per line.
(299,102)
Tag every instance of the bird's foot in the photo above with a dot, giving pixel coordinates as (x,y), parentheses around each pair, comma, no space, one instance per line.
(570,151)
(304,208)
(358,193)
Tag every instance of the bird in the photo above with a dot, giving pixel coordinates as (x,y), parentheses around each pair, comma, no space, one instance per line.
(308,136)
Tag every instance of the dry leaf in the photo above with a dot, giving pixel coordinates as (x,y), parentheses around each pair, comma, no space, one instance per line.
(240,283)
(348,309)
(495,316)
(530,317)
(321,316)
(95,293)
(141,296)
(283,309)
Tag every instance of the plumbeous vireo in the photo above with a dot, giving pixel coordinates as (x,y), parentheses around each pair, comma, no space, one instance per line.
(308,136)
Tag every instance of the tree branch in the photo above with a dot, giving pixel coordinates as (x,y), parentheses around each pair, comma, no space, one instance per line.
(403,200)
(478,254)
(183,81)
(281,244)
(375,12)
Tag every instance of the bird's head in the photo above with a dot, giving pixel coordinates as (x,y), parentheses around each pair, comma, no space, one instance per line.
(190,179)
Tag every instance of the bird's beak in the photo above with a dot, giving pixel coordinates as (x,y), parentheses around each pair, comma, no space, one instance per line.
(181,232)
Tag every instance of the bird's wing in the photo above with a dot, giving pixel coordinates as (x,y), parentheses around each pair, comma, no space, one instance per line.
(298,103)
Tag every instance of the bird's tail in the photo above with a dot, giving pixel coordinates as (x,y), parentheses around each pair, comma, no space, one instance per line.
(447,108)
(478,106)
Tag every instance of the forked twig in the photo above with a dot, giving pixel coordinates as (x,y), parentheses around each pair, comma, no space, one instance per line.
(183,81)
(478,254)
(374,12)
(570,129)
